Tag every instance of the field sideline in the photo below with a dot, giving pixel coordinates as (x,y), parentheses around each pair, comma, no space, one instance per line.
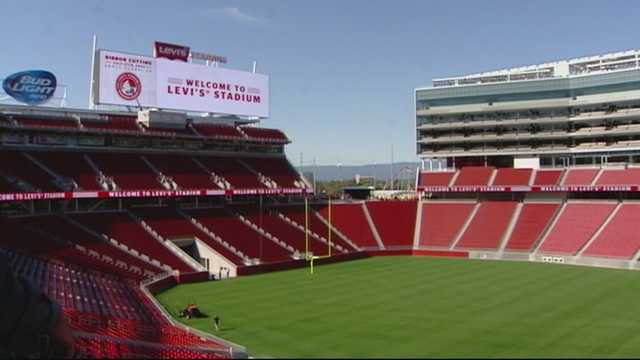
(424,307)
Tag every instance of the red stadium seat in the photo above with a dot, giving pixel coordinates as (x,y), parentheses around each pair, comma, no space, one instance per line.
(268,220)
(617,240)
(533,220)
(512,177)
(576,225)
(395,221)
(123,228)
(244,238)
(436,178)
(580,177)
(111,317)
(620,177)
(117,124)
(441,222)
(474,176)
(218,131)
(350,219)
(488,226)
(547,177)
(256,133)
(297,214)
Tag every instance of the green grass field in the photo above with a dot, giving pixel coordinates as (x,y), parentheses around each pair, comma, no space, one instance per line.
(425,307)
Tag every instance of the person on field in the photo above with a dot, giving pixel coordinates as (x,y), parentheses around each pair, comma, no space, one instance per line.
(31,325)
(191,311)
(216,323)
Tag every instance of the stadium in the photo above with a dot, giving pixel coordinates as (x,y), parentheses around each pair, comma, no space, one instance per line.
(168,195)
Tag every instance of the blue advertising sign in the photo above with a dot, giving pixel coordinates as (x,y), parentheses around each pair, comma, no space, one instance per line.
(30,87)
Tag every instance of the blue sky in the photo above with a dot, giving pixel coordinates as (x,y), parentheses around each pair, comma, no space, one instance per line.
(342,72)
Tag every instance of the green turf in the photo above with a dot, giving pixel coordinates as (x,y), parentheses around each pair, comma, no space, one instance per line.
(425,307)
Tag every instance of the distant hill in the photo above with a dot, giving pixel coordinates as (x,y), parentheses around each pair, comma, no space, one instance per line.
(403,170)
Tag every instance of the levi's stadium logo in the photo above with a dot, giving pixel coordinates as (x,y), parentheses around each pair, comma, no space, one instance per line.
(31,87)
(128,86)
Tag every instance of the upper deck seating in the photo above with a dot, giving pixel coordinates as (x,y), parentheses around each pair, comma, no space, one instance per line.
(629,176)
(60,123)
(122,124)
(170,131)
(512,177)
(256,133)
(547,177)
(218,131)
(435,178)
(474,176)
(582,177)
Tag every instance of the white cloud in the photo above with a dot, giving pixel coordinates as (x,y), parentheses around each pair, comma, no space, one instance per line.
(236,14)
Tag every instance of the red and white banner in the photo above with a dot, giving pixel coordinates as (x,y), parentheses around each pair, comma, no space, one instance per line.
(171,51)
(195,87)
(551,188)
(5,197)
(132,80)
(125,79)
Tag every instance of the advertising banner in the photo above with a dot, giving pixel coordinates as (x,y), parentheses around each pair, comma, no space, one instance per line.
(33,87)
(6,197)
(132,80)
(194,87)
(125,79)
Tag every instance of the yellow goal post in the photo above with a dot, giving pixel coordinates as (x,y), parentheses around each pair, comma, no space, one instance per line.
(309,256)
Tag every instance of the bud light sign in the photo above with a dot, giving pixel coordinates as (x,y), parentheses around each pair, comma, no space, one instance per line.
(30,87)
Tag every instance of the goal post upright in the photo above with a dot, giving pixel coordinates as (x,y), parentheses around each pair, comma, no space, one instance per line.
(306,227)
(329,227)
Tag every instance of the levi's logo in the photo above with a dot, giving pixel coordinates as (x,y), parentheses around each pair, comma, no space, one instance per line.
(171,51)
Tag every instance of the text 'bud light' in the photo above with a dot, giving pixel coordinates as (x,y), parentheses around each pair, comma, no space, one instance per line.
(30,87)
